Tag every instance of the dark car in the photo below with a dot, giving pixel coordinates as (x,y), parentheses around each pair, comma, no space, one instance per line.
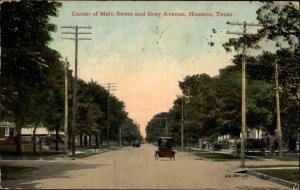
(136,144)
(165,148)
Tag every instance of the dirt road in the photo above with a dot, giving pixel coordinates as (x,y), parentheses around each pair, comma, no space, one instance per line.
(134,168)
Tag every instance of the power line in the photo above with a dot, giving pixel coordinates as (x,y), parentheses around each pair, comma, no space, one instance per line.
(75,32)
(244,33)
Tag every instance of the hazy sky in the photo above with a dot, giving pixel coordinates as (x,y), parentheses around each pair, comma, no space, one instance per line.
(147,55)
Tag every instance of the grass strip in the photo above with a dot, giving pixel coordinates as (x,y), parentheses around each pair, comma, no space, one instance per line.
(273,166)
(291,175)
(11,171)
(288,158)
(217,156)
(83,155)
(37,154)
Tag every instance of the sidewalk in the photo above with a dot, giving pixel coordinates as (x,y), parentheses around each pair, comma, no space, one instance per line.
(255,165)
(60,156)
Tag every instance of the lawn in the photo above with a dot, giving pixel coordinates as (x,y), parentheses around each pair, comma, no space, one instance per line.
(217,156)
(12,148)
(291,175)
(12,171)
(274,166)
(288,158)
(31,154)
(83,155)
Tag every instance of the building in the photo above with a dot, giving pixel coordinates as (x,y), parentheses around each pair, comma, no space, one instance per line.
(7,132)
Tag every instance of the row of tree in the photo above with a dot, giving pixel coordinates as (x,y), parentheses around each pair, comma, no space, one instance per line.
(93,116)
(32,79)
(212,105)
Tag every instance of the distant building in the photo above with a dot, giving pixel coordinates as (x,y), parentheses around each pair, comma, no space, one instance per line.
(7,131)
(251,134)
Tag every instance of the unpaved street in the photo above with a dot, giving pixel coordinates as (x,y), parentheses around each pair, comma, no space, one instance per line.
(134,168)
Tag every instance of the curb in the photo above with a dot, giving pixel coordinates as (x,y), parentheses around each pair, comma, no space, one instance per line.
(52,158)
(272,179)
(197,157)
(96,152)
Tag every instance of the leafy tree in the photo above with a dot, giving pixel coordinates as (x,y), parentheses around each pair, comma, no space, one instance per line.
(117,117)
(280,21)
(49,111)
(156,127)
(280,24)
(25,32)
(130,131)
(194,85)
(99,98)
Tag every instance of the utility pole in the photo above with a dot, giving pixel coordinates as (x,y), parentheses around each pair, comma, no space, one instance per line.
(278,111)
(244,134)
(109,87)
(76,39)
(182,103)
(66,65)
(120,137)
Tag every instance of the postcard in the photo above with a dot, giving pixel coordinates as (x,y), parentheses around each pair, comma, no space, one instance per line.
(149,95)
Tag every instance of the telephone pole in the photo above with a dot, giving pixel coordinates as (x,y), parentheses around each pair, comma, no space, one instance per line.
(182,121)
(75,32)
(279,131)
(244,134)
(66,65)
(110,87)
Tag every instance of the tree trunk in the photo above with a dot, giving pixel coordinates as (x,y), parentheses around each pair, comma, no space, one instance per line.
(90,140)
(97,141)
(56,139)
(272,145)
(201,144)
(69,140)
(19,125)
(33,140)
(235,146)
(100,140)
(85,140)
(80,139)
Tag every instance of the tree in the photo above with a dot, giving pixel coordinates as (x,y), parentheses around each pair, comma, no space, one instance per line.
(89,111)
(25,31)
(130,131)
(280,23)
(49,111)
(156,127)
(194,85)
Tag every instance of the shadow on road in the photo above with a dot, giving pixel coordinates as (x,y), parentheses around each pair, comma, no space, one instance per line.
(44,171)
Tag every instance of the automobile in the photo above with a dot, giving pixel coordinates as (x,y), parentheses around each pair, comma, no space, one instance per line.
(165,148)
(136,144)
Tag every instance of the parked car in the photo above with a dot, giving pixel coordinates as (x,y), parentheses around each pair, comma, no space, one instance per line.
(136,144)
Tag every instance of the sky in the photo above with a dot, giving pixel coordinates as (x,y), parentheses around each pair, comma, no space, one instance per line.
(146,56)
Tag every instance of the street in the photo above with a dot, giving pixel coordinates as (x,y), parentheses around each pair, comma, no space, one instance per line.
(134,168)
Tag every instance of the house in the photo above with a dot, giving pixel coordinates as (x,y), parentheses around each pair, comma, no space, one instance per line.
(7,132)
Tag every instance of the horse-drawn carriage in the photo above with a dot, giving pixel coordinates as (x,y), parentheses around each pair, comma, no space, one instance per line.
(165,148)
